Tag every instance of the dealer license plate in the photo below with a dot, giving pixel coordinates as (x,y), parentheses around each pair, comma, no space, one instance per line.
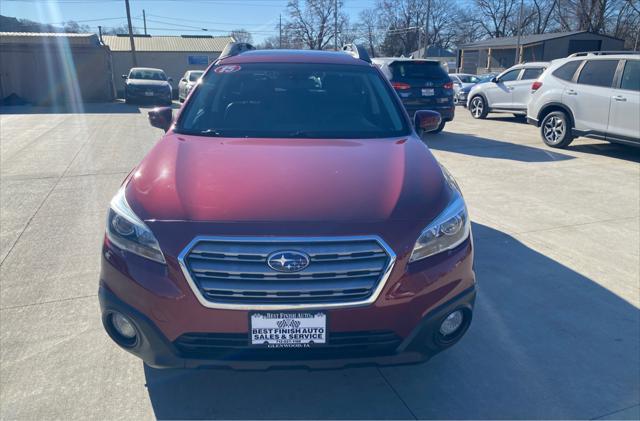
(149,93)
(428,92)
(300,329)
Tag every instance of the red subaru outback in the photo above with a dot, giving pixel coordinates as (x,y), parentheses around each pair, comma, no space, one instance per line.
(291,215)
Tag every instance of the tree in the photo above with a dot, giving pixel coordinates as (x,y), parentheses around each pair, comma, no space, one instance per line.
(242,35)
(368,29)
(312,23)
(115,30)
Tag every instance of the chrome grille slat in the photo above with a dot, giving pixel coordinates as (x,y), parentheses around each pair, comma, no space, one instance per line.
(235,271)
(260,268)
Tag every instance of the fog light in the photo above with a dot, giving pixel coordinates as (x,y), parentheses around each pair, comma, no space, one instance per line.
(123,326)
(451,323)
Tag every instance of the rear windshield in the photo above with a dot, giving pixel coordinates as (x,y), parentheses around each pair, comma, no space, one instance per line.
(418,70)
(293,100)
(147,74)
(193,76)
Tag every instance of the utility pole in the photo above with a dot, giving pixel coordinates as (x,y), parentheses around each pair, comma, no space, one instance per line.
(133,45)
(335,25)
(280,42)
(100,33)
(518,57)
(426,29)
(144,18)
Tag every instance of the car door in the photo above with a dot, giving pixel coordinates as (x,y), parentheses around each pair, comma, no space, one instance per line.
(521,92)
(624,113)
(499,93)
(590,98)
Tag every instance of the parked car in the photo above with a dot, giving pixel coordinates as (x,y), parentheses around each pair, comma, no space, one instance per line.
(421,85)
(187,82)
(594,95)
(144,84)
(461,81)
(463,93)
(508,92)
(290,215)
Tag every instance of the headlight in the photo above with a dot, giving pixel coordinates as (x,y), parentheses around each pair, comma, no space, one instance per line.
(127,231)
(448,230)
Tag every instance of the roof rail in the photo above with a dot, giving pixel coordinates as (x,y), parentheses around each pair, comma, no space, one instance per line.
(357,51)
(233,49)
(602,53)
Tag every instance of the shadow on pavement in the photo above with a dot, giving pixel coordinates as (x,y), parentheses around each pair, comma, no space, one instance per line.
(483,147)
(612,150)
(116,107)
(546,342)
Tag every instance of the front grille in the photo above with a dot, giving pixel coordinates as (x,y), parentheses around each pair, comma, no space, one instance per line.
(235,346)
(235,271)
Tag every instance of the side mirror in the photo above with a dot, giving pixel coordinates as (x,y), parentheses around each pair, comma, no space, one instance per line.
(427,120)
(170,79)
(124,76)
(161,117)
(183,80)
(495,79)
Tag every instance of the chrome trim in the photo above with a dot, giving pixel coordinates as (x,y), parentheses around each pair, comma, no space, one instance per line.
(313,306)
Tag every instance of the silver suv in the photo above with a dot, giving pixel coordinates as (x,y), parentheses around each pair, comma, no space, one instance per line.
(593,94)
(506,93)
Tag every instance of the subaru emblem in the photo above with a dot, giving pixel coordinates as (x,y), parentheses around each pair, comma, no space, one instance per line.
(288,261)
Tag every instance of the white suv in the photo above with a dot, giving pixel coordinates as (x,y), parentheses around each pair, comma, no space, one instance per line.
(588,94)
(508,92)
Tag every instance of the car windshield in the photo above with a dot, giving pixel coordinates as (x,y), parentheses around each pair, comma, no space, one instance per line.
(418,69)
(485,78)
(469,78)
(147,74)
(293,100)
(193,76)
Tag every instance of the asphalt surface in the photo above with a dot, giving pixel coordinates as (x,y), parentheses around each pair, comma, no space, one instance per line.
(555,335)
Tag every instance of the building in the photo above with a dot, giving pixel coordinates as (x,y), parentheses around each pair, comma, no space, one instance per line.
(498,54)
(173,54)
(54,68)
(447,57)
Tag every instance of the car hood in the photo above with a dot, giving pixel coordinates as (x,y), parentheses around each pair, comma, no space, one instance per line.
(194,178)
(145,82)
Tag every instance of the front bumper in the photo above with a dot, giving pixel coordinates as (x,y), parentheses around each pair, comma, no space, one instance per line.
(164,308)
(157,351)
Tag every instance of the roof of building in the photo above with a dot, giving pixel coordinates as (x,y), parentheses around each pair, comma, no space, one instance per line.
(47,37)
(433,51)
(525,39)
(294,56)
(179,43)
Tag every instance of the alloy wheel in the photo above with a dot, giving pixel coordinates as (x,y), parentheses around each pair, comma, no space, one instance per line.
(554,129)
(477,106)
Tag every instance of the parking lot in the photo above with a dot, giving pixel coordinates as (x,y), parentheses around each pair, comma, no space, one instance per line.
(556,333)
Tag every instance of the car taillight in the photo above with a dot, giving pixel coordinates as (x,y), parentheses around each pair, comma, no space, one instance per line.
(448,85)
(536,85)
(400,85)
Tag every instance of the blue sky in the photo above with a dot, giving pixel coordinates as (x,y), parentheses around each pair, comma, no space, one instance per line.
(170,17)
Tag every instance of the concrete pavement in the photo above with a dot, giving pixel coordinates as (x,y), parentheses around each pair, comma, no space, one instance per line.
(556,332)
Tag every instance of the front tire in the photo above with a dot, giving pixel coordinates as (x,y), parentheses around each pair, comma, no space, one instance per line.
(478,107)
(556,130)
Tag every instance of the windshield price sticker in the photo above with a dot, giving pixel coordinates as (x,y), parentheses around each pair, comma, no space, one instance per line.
(288,330)
(229,68)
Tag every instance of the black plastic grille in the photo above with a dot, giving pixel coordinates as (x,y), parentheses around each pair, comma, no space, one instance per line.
(233,346)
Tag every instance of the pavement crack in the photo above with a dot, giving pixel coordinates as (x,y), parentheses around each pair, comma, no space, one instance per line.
(60,300)
(396,393)
(615,412)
